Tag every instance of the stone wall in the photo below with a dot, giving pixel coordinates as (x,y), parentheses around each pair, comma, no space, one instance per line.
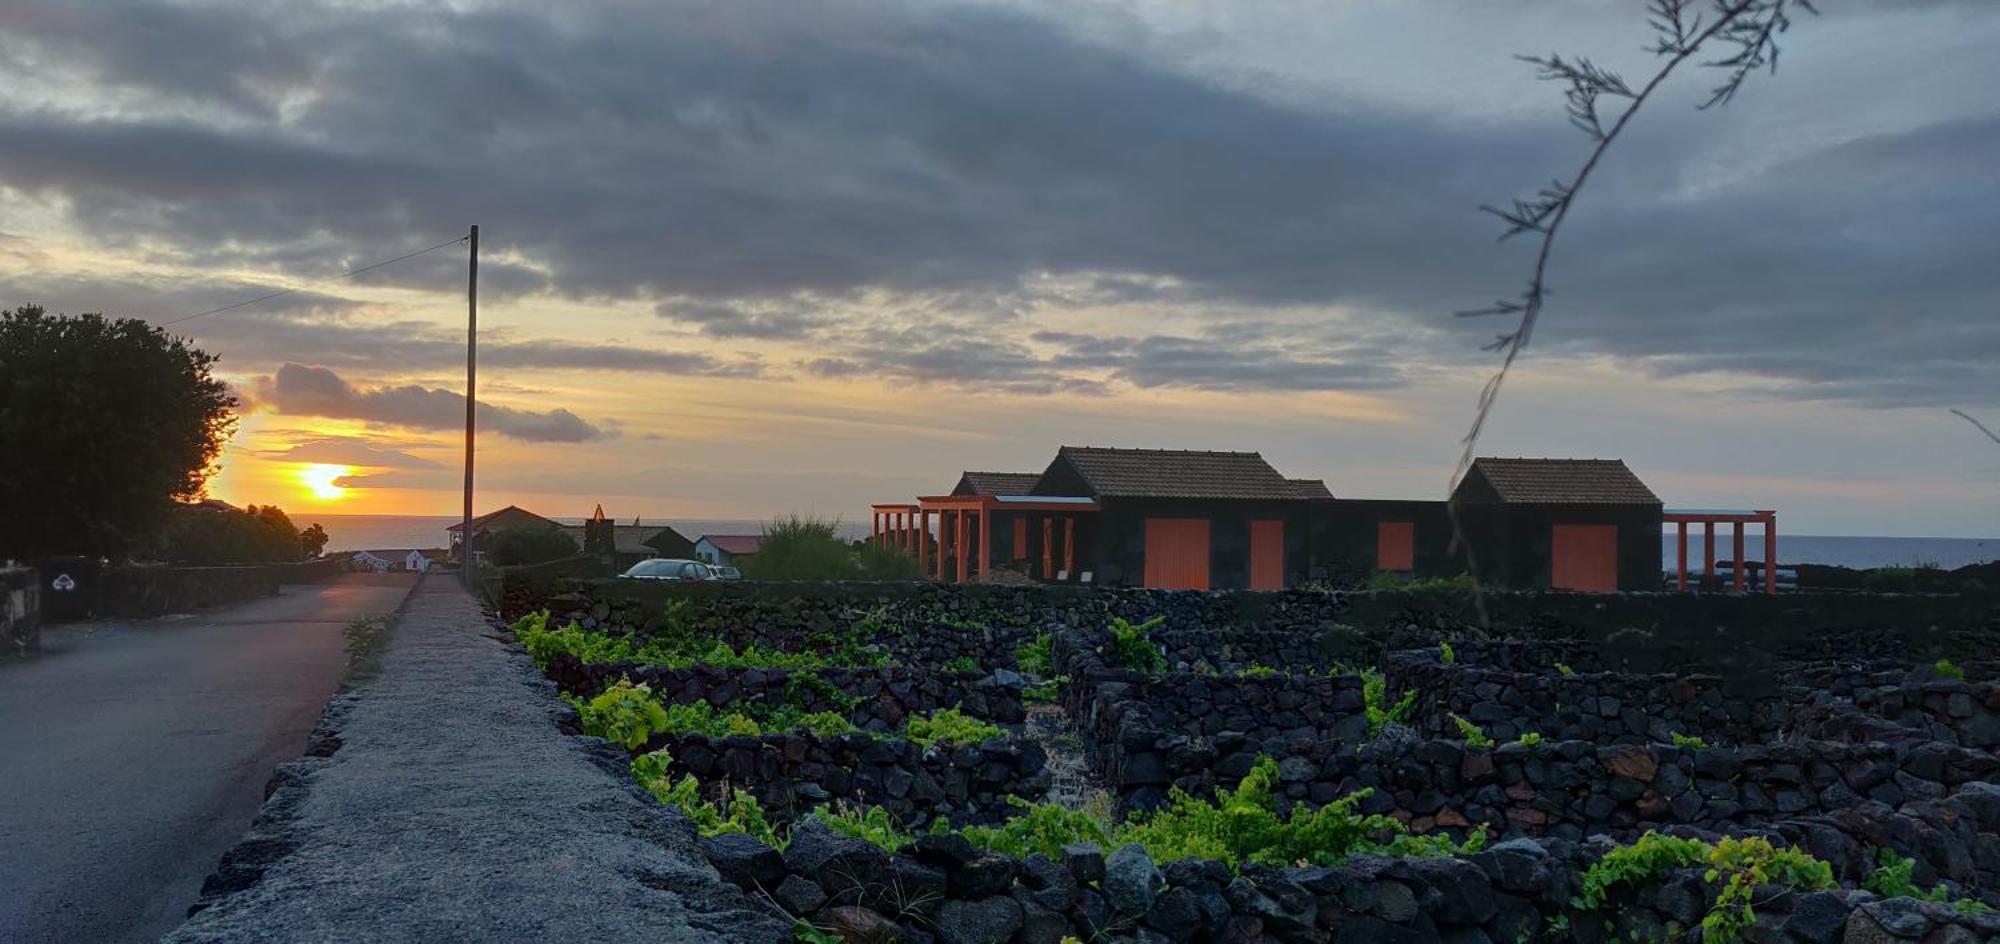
(886,696)
(1940,709)
(940,888)
(792,773)
(1606,707)
(20,610)
(1721,634)
(141,590)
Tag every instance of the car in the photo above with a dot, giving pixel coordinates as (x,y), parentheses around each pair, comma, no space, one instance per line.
(723,572)
(668,568)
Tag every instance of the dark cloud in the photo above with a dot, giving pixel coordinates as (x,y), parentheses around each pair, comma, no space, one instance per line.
(318,391)
(348,450)
(733,159)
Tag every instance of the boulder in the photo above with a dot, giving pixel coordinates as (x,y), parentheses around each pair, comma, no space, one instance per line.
(1130,880)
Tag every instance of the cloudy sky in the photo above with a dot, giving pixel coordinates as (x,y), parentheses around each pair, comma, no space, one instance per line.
(748,257)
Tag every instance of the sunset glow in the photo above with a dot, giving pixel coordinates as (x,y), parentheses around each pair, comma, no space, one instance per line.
(320,479)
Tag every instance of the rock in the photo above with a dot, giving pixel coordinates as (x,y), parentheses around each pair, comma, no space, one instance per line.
(857,925)
(843,865)
(799,895)
(1085,861)
(1281,904)
(987,921)
(986,875)
(1516,865)
(1459,891)
(743,861)
(1361,929)
(1130,880)
(1818,918)
(1633,762)
(1046,883)
(1176,914)
(1394,902)
(1041,926)
(1898,917)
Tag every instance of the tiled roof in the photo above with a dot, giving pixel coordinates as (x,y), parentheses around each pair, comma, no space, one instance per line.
(1001,483)
(735,543)
(1564,481)
(1171,473)
(511,512)
(1311,488)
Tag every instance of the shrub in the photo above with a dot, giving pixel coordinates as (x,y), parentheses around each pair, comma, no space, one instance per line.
(1563,669)
(1889,580)
(1891,879)
(1688,741)
(1949,669)
(1041,827)
(624,714)
(1446,653)
(1046,690)
(1737,864)
(1256,671)
(200,535)
(1132,647)
(1473,734)
(1037,655)
(741,813)
(950,726)
(509,547)
(962,664)
(873,825)
(1529,739)
(1374,698)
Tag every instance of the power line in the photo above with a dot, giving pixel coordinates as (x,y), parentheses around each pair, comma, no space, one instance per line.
(289,291)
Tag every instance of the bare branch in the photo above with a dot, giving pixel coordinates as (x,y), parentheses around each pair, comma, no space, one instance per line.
(1981,426)
(1750,27)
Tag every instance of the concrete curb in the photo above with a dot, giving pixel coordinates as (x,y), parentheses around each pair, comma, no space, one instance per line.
(440,801)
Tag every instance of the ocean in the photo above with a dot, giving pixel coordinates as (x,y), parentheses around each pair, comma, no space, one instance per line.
(361,532)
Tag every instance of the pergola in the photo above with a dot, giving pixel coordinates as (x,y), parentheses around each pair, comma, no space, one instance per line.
(1708,519)
(966,520)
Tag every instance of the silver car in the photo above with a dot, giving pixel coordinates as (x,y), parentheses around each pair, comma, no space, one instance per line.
(668,568)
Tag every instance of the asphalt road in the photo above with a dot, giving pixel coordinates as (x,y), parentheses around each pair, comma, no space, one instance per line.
(134,753)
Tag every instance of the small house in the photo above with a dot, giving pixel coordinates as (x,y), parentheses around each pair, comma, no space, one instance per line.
(1561,524)
(727,549)
(509,517)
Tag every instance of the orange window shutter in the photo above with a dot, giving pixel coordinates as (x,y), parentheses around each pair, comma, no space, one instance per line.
(1396,546)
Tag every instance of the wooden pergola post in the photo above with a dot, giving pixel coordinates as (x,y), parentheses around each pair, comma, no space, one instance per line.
(985,540)
(923,535)
(1048,547)
(1707,553)
(1681,568)
(1736,575)
(958,544)
(1771,553)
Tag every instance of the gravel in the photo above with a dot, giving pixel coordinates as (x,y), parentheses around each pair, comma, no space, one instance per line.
(450,807)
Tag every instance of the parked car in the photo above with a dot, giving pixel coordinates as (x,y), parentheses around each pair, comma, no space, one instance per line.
(668,568)
(725,573)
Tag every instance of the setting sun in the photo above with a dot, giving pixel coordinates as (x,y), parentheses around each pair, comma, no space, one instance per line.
(321,480)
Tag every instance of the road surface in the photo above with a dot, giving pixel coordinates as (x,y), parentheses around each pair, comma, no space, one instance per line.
(133,753)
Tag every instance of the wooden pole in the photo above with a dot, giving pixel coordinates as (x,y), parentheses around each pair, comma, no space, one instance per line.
(923,536)
(1681,569)
(985,540)
(1736,575)
(1048,547)
(1707,553)
(958,542)
(1771,554)
(1069,545)
(471,393)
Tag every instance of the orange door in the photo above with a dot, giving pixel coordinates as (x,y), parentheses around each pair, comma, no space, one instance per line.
(1584,557)
(1396,546)
(1020,537)
(1267,554)
(1177,553)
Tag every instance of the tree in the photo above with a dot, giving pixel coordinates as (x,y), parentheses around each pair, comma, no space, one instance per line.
(313,540)
(202,535)
(104,425)
(508,547)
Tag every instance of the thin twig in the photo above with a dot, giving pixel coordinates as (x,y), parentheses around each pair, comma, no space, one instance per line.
(1981,426)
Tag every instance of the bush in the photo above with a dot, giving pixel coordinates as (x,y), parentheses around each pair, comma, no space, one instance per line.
(950,726)
(1131,647)
(203,535)
(1036,656)
(808,548)
(624,714)
(512,547)
(1738,865)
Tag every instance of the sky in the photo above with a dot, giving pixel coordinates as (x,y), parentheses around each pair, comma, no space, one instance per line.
(741,259)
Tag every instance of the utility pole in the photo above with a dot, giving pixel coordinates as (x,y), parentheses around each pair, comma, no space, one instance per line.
(471,380)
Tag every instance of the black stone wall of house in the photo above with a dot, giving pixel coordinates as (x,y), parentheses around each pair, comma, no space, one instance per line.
(1117,538)
(1512,544)
(1344,534)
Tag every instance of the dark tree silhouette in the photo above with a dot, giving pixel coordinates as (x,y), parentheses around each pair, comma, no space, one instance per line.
(508,547)
(104,425)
